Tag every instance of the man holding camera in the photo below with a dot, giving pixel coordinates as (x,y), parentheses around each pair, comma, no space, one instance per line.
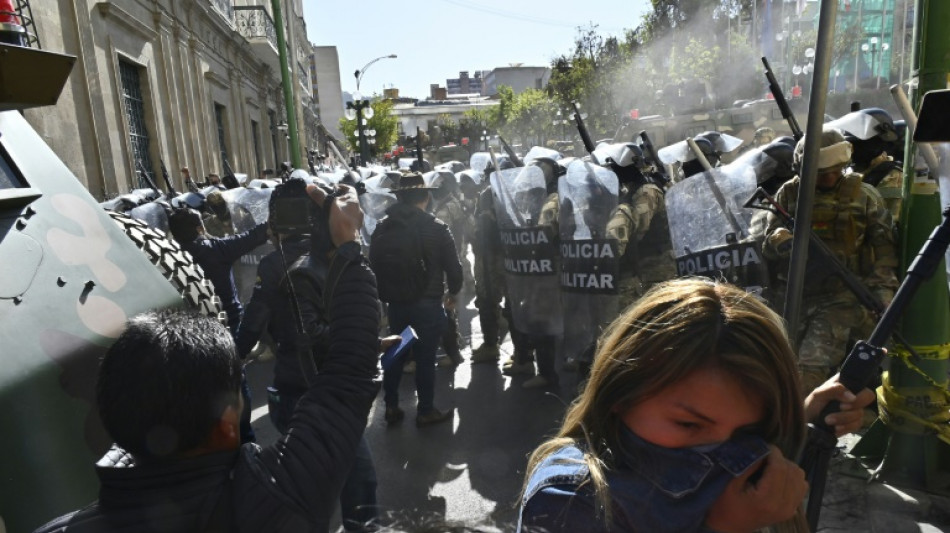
(300,355)
(168,394)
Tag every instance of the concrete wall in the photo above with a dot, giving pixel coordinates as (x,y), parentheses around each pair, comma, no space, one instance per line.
(518,78)
(190,59)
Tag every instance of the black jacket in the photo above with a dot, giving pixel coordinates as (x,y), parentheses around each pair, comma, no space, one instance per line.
(216,256)
(271,308)
(289,486)
(438,247)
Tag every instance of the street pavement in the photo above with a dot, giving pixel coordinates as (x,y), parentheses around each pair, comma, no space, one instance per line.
(471,470)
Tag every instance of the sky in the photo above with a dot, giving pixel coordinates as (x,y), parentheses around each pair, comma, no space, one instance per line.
(435,39)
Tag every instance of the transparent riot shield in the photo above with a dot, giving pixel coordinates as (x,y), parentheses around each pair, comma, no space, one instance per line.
(248,208)
(530,251)
(589,260)
(153,213)
(710,228)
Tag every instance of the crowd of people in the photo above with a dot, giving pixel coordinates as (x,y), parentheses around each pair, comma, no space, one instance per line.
(693,399)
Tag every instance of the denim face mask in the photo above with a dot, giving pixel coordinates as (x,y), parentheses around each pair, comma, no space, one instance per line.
(671,489)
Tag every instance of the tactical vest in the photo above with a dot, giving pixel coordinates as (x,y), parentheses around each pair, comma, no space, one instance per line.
(654,247)
(839,219)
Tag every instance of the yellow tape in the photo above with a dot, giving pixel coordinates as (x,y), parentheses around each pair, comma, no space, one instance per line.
(915,410)
(939,352)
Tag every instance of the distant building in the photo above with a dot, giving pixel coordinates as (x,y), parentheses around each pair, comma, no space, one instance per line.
(466,84)
(426,113)
(327,90)
(516,76)
(437,93)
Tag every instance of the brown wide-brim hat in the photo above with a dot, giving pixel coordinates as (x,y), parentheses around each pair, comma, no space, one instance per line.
(411,181)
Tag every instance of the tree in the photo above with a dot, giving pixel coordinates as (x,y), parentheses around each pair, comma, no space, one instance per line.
(384,122)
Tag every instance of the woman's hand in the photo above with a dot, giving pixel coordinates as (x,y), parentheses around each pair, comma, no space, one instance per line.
(850,412)
(746,506)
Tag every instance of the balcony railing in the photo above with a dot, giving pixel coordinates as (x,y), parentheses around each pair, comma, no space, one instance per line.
(253,22)
(225,8)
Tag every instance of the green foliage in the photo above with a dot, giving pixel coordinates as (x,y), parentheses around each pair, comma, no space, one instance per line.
(384,122)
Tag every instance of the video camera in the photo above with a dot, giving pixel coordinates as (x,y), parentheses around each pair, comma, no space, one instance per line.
(293,212)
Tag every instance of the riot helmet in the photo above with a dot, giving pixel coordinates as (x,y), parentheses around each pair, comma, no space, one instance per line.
(763,136)
(694,166)
(218,205)
(551,169)
(835,154)
(782,169)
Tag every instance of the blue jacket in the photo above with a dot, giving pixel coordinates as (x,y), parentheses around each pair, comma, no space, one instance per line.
(651,489)
(216,256)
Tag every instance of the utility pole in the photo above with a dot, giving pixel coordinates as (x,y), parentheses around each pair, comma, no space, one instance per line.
(908,446)
(287,84)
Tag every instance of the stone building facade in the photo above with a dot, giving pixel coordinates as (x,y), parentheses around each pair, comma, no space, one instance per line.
(185,82)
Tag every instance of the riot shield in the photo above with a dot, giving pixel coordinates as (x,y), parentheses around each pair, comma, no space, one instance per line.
(375,201)
(248,208)
(153,213)
(589,260)
(479,162)
(539,151)
(530,251)
(710,228)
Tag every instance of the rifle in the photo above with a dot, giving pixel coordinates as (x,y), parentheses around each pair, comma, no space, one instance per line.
(650,151)
(145,176)
(229,180)
(824,255)
(782,102)
(511,153)
(863,362)
(168,181)
(585,135)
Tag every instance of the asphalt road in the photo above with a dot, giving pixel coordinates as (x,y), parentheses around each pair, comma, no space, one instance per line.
(469,470)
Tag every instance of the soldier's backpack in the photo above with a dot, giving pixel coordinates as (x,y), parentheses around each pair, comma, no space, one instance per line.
(397,258)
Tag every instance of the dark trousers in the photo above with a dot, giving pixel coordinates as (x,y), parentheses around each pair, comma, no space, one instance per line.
(427,318)
(358,508)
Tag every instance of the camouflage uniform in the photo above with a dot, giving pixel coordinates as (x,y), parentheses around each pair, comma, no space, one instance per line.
(853,222)
(890,186)
(216,227)
(490,287)
(643,241)
(449,210)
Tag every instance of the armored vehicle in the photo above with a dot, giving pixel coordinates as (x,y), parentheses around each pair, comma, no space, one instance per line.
(69,279)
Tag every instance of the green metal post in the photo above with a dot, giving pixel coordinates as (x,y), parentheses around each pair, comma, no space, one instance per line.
(286,81)
(910,456)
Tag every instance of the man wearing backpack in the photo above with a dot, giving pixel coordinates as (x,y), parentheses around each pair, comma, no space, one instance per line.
(413,256)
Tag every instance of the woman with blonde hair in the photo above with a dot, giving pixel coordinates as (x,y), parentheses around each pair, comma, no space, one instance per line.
(692,408)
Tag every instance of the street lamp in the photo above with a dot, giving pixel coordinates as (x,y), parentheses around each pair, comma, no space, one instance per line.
(484,139)
(561,123)
(872,46)
(359,73)
(360,109)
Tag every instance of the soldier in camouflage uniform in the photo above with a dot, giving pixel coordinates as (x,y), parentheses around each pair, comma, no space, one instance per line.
(216,216)
(849,216)
(871,159)
(542,346)
(446,207)
(643,236)
(490,286)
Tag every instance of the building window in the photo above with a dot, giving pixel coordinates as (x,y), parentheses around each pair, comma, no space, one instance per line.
(255,132)
(129,74)
(219,112)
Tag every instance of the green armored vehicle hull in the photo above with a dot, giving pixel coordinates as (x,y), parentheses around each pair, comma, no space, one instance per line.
(69,279)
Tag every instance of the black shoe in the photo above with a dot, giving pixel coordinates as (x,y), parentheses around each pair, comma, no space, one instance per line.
(434,417)
(394,415)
